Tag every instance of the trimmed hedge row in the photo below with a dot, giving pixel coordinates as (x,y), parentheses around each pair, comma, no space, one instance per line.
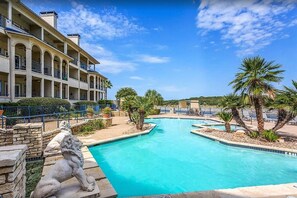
(39,105)
(87,103)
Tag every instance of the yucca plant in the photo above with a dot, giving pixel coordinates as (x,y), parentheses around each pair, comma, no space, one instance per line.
(226,117)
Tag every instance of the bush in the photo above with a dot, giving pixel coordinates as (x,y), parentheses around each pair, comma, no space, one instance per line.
(91,127)
(254,134)
(105,102)
(270,135)
(39,105)
(87,103)
(106,110)
(154,112)
(90,110)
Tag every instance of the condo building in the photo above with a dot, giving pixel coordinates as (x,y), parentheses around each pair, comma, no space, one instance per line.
(36,60)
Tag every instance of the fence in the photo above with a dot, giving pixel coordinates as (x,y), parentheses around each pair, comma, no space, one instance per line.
(47,115)
(211,111)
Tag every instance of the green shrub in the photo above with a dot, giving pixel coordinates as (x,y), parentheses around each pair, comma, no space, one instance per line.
(106,110)
(87,103)
(90,110)
(254,134)
(105,102)
(39,105)
(91,127)
(270,135)
(154,112)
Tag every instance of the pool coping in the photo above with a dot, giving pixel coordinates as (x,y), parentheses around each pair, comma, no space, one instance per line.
(286,151)
(99,142)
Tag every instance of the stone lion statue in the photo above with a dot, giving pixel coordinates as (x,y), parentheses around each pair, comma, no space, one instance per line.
(70,166)
(53,146)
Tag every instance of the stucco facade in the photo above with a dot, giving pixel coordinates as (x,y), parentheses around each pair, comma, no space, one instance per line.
(36,60)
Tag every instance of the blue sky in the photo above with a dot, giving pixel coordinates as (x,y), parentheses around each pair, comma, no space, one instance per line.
(180,48)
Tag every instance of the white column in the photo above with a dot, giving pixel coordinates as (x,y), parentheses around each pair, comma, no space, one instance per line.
(42,61)
(61,69)
(42,87)
(42,33)
(9,11)
(65,47)
(95,95)
(61,90)
(53,65)
(52,89)
(11,82)
(28,72)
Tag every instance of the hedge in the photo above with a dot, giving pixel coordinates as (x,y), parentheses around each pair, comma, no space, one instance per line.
(40,105)
(87,103)
(105,102)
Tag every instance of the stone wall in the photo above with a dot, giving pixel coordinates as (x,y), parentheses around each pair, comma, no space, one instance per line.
(13,171)
(48,136)
(6,137)
(31,135)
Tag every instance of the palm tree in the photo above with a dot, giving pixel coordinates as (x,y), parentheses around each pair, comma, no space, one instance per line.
(124,92)
(155,97)
(227,118)
(286,105)
(255,81)
(143,106)
(234,103)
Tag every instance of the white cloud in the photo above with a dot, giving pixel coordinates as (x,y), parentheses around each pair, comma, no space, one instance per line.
(136,78)
(108,24)
(114,66)
(152,59)
(249,24)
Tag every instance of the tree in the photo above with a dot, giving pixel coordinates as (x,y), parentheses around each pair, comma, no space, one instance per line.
(286,105)
(234,103)
(143,106)
(227,118)
(254,82)
(125,92)
(155,97)
(107,84)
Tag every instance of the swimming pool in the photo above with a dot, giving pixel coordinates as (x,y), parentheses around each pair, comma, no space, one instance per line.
(172,160)
(222,127)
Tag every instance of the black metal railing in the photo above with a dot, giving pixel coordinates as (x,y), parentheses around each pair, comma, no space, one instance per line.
(83,66)
(47,70)
(36,66)
(74,61)
(64,76)
(57,73)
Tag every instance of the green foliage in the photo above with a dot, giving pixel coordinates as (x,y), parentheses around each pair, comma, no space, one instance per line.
(154,112)
(8,104)
(203,100)
(124,92)
(270,135)
(154,96)
(41,105)
(33,175)
(91,127)
(254,134)
(105,102)
(87,103)
(107,84)
(225,116)
(106,110)
(90,110)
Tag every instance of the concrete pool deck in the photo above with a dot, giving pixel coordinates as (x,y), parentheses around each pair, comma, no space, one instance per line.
(120,127)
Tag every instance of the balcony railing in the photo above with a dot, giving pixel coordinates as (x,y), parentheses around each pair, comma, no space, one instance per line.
(36,66)
(74,61)
(57,73)
(47,70)
(64,76)
(83,80)
(83,66)
(20,95)
(3,53)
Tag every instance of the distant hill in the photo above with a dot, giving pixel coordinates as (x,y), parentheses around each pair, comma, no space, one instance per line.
(203,100)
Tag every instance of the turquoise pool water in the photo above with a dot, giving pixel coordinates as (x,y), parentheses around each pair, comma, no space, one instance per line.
(172,160)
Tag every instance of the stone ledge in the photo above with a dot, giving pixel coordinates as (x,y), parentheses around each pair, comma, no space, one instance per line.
(10,155)
(121,137)
(246,145)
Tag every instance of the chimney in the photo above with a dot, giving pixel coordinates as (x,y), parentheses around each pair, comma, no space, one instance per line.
(74,37)
(50,17)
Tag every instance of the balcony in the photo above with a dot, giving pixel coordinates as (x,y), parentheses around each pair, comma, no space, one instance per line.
(47,70)
(91,85)
(74,61)
(57,73)
(36,66)
(64,76)
(83,66)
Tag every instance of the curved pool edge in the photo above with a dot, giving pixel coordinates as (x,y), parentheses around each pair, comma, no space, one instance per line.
(265,191)
(285,151)
(121,137)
